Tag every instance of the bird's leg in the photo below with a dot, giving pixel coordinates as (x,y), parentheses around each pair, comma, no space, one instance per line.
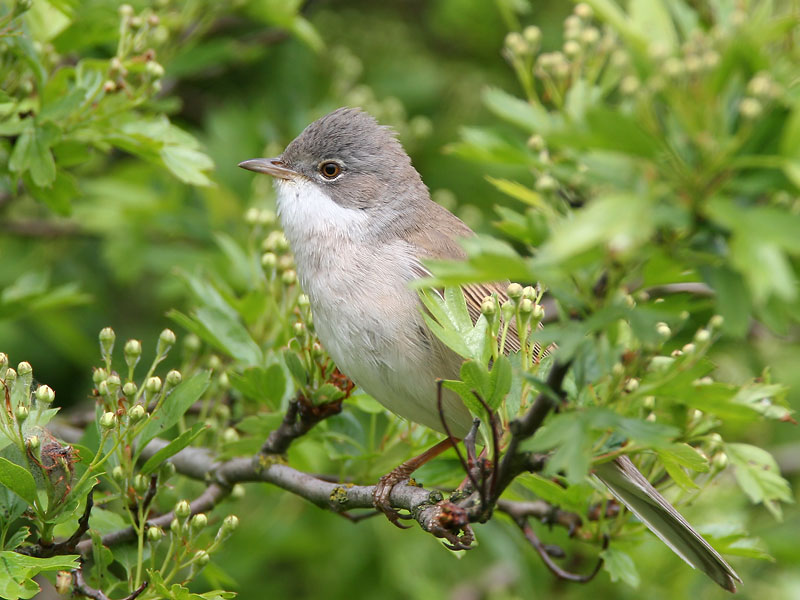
(380,498)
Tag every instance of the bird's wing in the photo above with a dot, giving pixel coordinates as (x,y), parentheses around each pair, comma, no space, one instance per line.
(634,490)
(432,244)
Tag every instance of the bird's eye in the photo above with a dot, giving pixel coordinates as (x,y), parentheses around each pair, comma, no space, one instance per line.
(330,170)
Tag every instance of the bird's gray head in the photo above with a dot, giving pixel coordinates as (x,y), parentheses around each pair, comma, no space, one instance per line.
(348,156)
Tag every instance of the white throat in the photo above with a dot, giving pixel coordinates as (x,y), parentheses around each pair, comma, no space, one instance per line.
(309,215)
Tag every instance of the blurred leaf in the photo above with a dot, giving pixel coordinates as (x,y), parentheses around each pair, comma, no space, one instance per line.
(222,331)
(759,477)
(532,118)
(619,566)
(18,570)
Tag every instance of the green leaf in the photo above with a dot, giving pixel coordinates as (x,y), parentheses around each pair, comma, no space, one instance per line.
(732,299)
(759,477)
(18,480)
(223,331)
(573,497)
(265,386)
(620,566)
(17,570)
(32,153)
(175,446)
(447,317)
(530,117)
(182,397)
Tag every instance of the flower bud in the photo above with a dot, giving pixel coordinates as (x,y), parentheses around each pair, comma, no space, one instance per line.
(269,261)
(702,336)
(649,402)
(572,48)
(45,394)
(109,86)
(112,385)
(224,381)
(618,370)
(229,524)
(153,20)
(199,521)
(632,384)
(108,420)
(230,435)
(514,291)
(251,216)
(489,307)
(532,35)
(154,534)
(125,10)
(516,43)
(103,388)
(3,359)
(663,330)
(303,301)
(133,352)
(526,306)
(716,322)
(118,473)
(154,69)
(129,390)
(538,312)
(316,350)
(106,337)
(192,343)
(289,277)
(536,143)
(173,378)
(183,509)
(688,348)
(266,217)
(141,483)
(99,376)
(285,263)
(237,493)
(299,329)
(583,10)
(201,557)
(63,582)
(720,461)
(153,385)
(135,22)
(137,413)
(750,108)
(546,183)
(25,372)
(33,442)
(11,377)
(165,341)
(176,527)
(214,362)
(275,242)
(529,292)
(590,36)
(629,85)
(21,413)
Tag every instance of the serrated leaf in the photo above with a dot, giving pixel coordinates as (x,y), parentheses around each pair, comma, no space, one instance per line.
(175,446)
(758,475)
(17,571)
(620,566)
(265,386)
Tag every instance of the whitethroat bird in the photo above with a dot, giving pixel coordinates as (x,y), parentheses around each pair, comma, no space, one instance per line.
(360,223)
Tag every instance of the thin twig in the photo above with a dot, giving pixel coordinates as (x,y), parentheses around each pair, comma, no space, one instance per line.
(453,440)
(541,549)
(67,546)
(300,417)
(83,588)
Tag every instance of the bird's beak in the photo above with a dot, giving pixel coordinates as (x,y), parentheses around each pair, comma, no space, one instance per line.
(269,166)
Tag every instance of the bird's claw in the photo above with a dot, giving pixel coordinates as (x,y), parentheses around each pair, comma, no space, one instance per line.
(380,498)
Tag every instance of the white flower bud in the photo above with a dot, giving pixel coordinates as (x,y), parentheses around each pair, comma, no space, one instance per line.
(251,216)
(230,523)
(546,183)
(514,291)
(113,384)
(702,336)
(538,312)
(141,483)
(182,509)
(109,86)
(99,375)
(137,413)
(266,217)
(289,277)
(590,36)
(165,341)
(572,48)
(24,369)
(532,35)
(154,69)
(174,377)
(689,348)
(129,389)
(125,10)
(629,85)
(33,442)
(108,420)
(716,322)
(663,330)
(201,557)
(230,435)
(516,43)
(106,337)
(632,384)
(132,351)
(199,521)
(118,473)
(269,261)
(489,306)
(154,534)
(237,493)
(45,394)
(153,385)
(526,306)
(750,108)
(584,11)
(21,413)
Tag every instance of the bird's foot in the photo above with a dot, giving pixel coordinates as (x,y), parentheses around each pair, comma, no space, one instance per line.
(383,490)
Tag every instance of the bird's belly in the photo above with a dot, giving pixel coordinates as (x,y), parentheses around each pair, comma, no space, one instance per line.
(376,336)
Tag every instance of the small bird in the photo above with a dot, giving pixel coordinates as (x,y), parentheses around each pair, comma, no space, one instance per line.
(360,223)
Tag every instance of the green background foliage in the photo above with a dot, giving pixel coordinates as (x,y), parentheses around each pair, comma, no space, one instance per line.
(667,162)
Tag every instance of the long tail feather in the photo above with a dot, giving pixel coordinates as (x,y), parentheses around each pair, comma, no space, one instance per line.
(634,491)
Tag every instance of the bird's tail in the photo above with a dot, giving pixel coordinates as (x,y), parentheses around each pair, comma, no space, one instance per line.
(634,491)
